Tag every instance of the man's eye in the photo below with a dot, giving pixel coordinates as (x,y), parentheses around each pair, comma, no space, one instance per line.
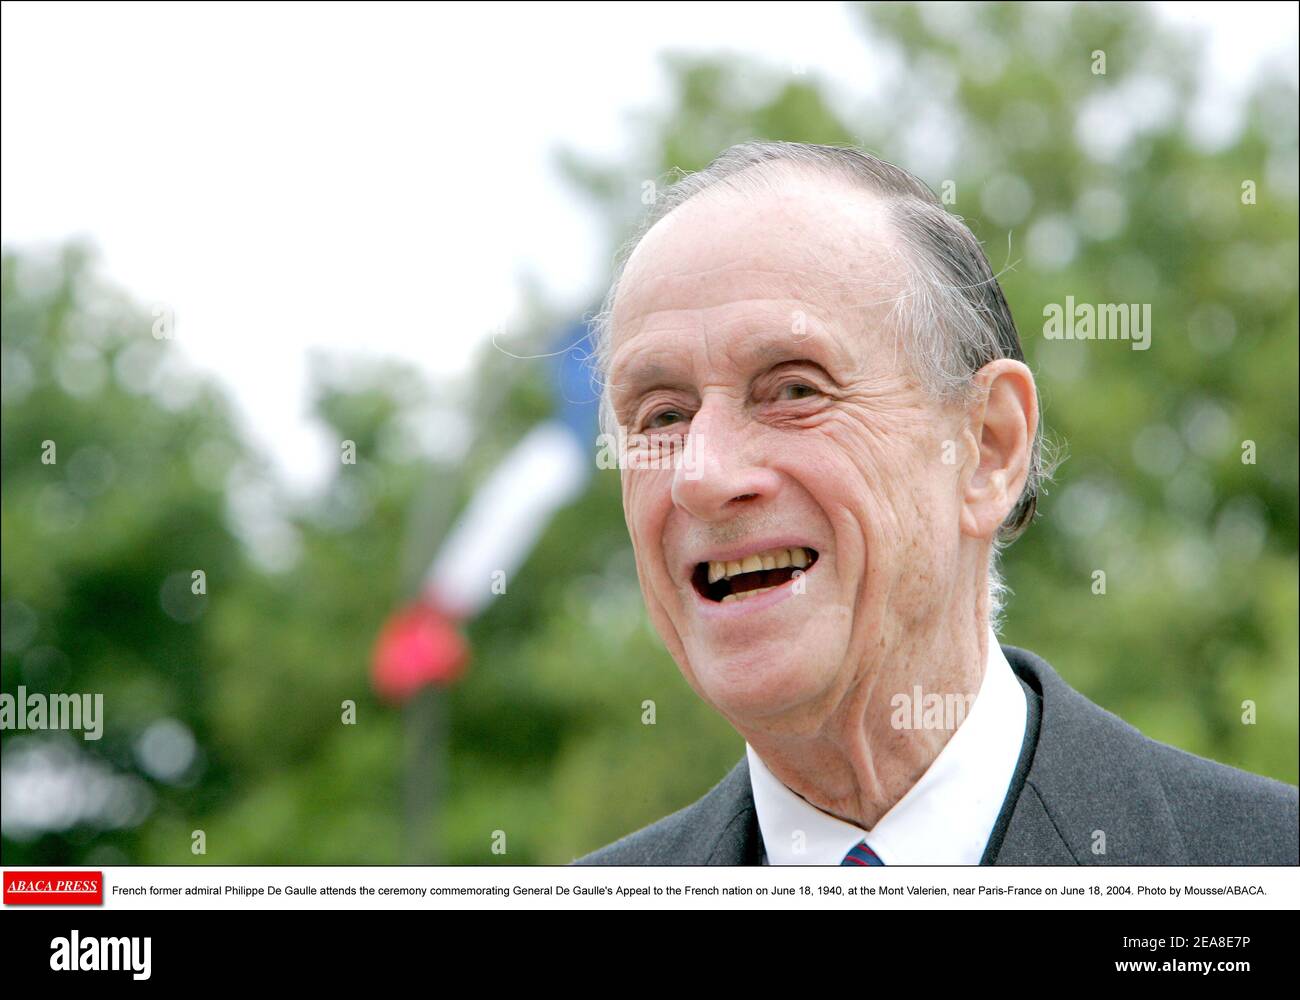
(796,390)
(663,419)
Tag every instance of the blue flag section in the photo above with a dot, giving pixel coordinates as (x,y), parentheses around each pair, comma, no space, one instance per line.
(574,381)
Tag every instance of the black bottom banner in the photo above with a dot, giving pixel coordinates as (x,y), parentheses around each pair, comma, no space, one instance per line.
(336,949)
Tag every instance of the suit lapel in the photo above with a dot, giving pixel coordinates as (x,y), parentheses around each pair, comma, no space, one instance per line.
(1090,795)
(731,833)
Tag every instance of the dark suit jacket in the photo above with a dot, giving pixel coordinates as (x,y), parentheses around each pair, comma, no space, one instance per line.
(1081,770)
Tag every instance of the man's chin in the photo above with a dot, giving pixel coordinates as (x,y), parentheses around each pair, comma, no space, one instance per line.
(761,679)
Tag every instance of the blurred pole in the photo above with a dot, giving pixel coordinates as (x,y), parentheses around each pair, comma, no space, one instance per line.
(425,717)
(426,774)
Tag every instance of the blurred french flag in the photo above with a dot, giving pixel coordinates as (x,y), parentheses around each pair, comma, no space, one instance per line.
(422,643)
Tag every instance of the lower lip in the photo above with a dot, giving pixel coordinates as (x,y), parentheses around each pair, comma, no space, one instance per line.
(719,611)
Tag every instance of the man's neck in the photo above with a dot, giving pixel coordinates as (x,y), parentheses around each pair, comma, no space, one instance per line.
(869,753)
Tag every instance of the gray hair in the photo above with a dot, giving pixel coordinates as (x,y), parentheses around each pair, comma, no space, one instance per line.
(953,311)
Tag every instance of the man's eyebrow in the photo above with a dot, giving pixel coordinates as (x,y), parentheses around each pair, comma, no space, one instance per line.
(765,350)
(634,379)
(811,345)
(777,352)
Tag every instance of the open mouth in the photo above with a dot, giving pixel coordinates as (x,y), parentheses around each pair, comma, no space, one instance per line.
(735,581)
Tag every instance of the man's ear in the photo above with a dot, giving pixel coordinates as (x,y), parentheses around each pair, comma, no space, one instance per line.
(1002,422)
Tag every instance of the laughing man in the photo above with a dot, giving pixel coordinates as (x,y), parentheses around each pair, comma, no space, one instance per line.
(866,438)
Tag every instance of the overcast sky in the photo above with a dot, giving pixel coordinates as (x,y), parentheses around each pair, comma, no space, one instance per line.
(370,178)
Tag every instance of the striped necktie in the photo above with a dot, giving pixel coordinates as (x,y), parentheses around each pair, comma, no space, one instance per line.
(862,855)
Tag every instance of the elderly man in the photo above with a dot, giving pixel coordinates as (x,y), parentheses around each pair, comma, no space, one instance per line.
(856,436)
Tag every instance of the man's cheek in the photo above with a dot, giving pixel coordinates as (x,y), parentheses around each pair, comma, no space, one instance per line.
(638,511)
(875,503)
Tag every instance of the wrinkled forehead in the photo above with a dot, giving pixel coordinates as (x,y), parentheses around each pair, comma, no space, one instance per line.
(804,249)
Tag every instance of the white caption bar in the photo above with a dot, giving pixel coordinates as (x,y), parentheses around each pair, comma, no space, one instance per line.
(562,887)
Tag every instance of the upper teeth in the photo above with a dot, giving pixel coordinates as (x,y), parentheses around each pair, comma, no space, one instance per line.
(771,559)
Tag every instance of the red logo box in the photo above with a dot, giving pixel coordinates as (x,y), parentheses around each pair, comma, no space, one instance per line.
(63,888)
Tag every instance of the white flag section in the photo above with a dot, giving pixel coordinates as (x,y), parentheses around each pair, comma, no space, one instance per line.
(495,533)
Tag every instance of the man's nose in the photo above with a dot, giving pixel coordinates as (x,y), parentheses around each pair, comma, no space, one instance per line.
(720,474)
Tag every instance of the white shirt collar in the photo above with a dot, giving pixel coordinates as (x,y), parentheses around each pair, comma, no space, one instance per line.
(944,819)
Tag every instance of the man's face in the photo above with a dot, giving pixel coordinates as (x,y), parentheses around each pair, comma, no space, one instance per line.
(761,326)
